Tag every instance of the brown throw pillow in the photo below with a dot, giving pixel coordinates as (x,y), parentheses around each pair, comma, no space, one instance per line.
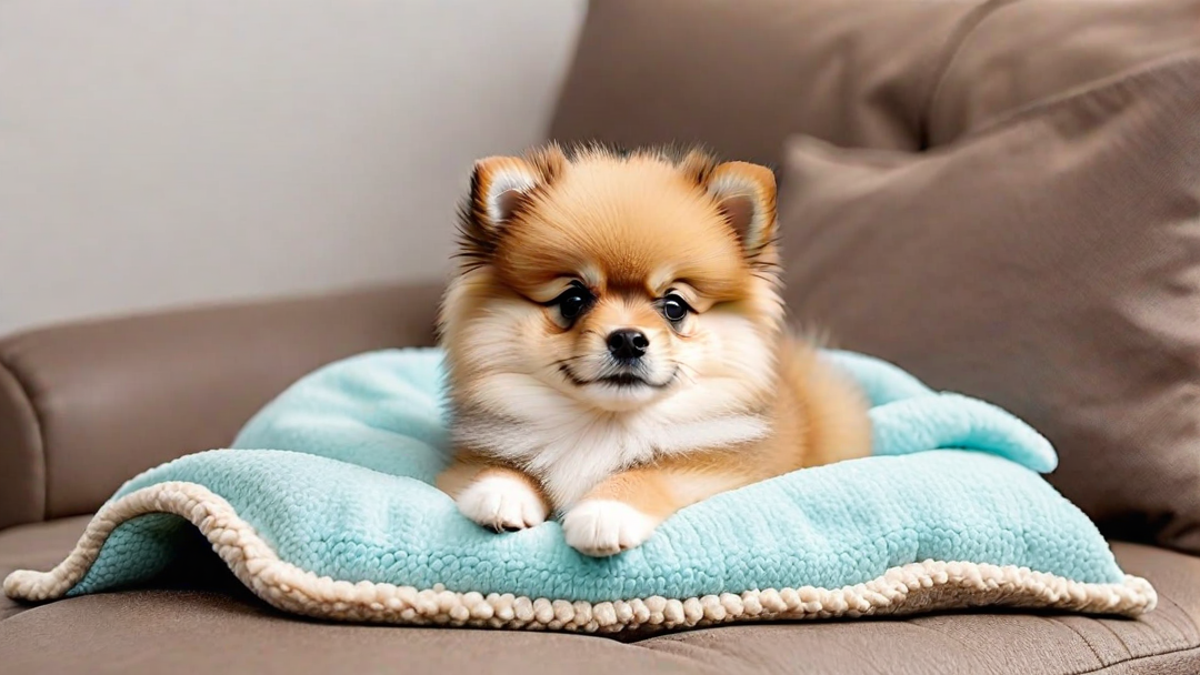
(1049,262)
(1016,52)
(740,76)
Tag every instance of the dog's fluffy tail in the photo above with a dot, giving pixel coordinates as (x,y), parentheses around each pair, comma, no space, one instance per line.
(836,409)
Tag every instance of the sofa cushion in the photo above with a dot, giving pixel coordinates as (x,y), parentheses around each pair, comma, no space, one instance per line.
(218,627)
(1048,263)
(742,75)
(1019,52)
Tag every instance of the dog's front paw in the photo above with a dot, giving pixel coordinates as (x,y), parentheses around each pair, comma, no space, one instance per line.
(602,527)
(503,503)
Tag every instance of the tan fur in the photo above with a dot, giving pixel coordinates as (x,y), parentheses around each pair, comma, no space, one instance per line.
(467,467)
(831,428)
(729,398)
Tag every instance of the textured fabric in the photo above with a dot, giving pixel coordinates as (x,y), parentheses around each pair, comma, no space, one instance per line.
(1048,262)
(155,631)
(342,491)
(976,643)
(185,380)
(37,546)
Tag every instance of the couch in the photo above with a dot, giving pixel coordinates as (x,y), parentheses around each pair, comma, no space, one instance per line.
(85,405)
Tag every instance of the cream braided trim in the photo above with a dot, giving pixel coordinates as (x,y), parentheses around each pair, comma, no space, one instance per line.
(910,589)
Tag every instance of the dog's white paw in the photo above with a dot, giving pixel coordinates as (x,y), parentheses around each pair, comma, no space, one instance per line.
(502,503)
(603,527)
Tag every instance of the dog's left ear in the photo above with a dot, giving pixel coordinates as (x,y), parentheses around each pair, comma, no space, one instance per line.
(745,193)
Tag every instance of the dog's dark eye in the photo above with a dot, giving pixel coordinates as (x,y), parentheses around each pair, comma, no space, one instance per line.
(675,308)
(573,302)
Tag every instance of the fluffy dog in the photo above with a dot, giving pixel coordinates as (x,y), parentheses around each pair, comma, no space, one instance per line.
(616,349)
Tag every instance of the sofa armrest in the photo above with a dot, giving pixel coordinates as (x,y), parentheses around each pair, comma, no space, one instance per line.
(84,407)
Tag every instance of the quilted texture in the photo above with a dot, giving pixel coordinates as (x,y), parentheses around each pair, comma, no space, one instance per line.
(325,507)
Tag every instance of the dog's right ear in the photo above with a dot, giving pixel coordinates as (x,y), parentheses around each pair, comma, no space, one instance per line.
(498,186)
(501,185)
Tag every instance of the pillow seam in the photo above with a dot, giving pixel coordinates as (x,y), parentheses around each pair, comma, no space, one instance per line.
(953,47)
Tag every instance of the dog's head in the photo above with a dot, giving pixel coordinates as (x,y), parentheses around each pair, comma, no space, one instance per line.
(618,281)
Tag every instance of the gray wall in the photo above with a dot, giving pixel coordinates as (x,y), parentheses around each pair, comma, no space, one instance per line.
(167,152)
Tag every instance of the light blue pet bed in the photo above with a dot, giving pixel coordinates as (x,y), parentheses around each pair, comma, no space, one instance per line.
(326,508)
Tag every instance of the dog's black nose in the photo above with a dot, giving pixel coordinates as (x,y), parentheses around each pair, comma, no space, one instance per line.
(627,345)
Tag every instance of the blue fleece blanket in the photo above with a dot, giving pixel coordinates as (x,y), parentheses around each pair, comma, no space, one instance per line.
(334,480)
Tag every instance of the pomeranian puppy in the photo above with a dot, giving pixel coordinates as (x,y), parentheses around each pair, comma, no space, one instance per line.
(615,345)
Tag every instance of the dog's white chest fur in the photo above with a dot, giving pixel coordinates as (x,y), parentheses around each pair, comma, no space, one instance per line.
(571,449)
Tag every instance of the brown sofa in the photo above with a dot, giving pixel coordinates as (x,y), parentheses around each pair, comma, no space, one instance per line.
(71,394)
(85,406)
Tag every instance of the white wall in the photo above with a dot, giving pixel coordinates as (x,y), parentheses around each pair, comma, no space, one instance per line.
(166,152)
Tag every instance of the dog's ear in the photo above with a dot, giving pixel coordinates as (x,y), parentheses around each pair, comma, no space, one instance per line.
(745,193)
(498,185)
(501,185)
